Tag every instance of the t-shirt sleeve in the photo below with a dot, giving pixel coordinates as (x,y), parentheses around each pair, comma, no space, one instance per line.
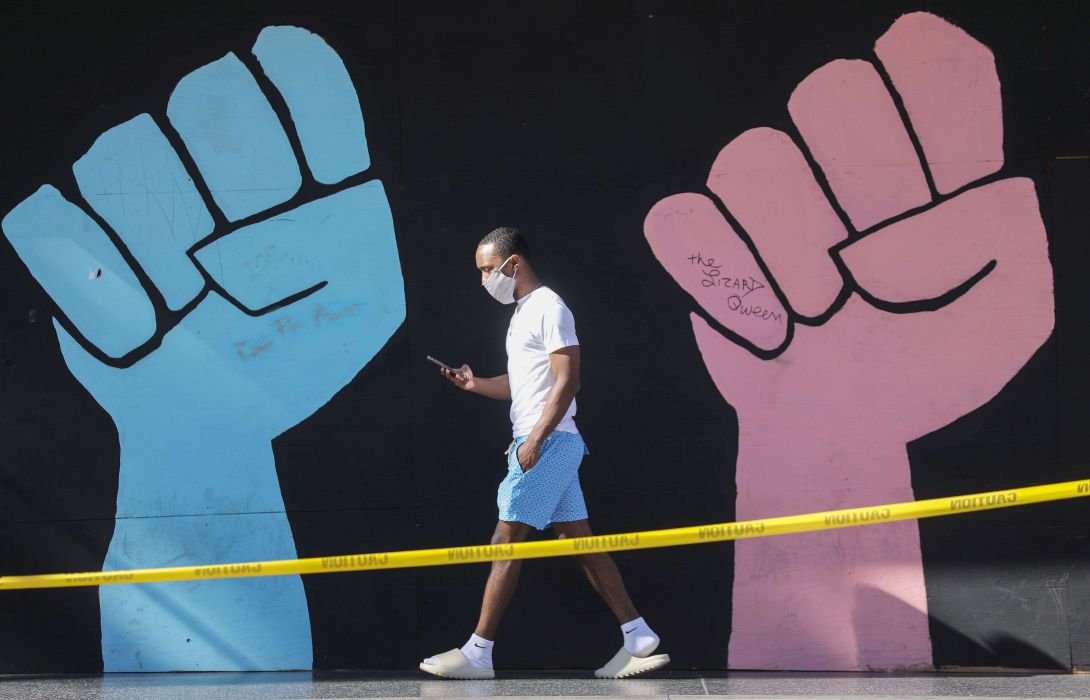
(557,328)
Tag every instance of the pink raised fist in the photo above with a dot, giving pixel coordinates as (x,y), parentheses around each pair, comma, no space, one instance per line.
(841,328)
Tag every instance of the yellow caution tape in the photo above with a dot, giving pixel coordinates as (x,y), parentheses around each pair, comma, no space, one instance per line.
(696,534)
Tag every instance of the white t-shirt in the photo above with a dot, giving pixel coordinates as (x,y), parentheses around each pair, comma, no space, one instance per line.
(540,325)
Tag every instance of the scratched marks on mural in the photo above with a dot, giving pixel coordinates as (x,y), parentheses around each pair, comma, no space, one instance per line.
(263,323)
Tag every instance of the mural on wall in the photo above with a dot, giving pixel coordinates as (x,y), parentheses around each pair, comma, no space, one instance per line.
(860,284)
(221,274)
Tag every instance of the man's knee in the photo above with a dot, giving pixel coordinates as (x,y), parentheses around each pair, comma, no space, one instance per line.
(572,528)
(509,531)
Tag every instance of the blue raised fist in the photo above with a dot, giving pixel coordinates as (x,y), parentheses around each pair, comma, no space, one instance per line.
(214,327)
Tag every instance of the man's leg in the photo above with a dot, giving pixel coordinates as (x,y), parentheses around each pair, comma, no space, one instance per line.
(638,638)
(600,570)
(502,580)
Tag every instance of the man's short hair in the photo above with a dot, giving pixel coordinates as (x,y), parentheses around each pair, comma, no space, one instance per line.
(507,241)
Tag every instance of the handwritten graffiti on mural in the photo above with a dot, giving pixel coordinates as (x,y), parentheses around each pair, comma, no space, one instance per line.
(912,281)
(217,282)
(742,286)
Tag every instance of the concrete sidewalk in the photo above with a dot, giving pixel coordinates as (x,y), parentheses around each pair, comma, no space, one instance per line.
(530,685)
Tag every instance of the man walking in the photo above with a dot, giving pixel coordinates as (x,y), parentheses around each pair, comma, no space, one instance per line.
(542,482)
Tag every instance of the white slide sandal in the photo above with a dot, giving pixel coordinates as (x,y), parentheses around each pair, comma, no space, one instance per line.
(624,664)
(454,664)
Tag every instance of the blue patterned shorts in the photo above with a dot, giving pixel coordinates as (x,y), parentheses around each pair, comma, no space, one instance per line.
(550,490)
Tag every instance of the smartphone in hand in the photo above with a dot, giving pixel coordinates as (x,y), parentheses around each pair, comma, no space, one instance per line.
(444,366)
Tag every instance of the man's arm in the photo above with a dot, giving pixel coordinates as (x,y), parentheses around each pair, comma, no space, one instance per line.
(493,387)
(565,365)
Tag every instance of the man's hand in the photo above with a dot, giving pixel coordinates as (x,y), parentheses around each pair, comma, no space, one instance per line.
(493,387)
(461,377)
(531,448)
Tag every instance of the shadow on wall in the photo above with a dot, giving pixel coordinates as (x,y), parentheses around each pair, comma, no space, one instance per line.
(994,650)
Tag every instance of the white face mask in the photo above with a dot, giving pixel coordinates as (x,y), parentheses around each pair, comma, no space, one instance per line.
(500,286)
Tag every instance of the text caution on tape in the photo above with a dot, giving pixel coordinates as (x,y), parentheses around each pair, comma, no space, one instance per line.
(695,534)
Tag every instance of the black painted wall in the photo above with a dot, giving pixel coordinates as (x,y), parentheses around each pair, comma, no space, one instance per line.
(569,120)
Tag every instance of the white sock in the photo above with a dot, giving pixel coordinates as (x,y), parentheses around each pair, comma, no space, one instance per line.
(479,651)
(639,640)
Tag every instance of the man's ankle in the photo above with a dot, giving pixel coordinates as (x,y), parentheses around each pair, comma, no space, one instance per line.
(478,650)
